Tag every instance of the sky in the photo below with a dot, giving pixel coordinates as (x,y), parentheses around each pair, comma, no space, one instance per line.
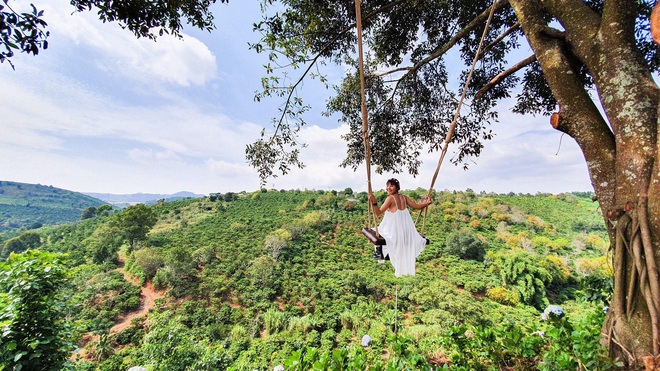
(102,111)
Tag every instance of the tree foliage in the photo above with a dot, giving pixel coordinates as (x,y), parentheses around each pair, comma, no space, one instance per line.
(135,222)
(34,332)
(410,94)
(21,31)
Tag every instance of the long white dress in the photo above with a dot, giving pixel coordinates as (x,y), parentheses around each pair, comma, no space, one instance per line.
(404,243)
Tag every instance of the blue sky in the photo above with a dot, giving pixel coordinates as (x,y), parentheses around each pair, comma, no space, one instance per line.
(102,111)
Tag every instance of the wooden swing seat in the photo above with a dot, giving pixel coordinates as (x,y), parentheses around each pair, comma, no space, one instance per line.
(378,240)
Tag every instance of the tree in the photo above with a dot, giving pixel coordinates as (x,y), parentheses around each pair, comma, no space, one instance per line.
(103,210)
(104,243)
(135,222)
(24,32)
(88,213)
(34,334)
(466,245)
(13,245)
(591,68)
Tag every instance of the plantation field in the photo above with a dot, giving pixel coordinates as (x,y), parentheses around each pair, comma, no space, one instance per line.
(28,206)
(255,280)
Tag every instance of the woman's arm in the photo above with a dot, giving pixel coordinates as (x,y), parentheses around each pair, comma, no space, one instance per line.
(378,211)
(419,206)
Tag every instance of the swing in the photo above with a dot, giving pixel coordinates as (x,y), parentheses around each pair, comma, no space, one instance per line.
(372,234)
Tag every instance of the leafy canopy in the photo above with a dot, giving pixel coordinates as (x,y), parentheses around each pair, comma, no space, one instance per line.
(414,47)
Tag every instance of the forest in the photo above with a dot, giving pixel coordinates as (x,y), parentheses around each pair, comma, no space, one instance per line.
(283,279)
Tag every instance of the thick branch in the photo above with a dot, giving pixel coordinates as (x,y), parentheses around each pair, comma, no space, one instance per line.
(504,74)
(579,117)
(478,20)
(581,24)
(499,38)
(619,18)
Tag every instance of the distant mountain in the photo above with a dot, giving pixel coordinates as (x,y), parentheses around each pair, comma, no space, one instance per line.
(135,198)
(27,206)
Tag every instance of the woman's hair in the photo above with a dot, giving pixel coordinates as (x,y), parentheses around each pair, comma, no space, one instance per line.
(395,183)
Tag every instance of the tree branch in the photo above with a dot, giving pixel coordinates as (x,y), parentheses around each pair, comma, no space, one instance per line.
(464,32)
(580,22)
(504,74)
(619,15)
(500,38)
(318,56)
(478,20)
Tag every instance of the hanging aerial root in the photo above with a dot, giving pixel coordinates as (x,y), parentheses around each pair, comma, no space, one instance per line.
(648,252)
(619,274)
(652,271)
(630,298)
(631,357)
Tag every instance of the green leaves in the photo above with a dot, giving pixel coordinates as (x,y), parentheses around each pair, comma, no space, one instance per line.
(24,32)
(135,222)
(34,334)
(150,18)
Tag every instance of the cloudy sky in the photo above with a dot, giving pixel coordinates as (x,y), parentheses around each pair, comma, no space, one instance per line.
(102,111)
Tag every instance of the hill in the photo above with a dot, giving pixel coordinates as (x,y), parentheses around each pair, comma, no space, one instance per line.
(146,198)
(249,281)
(28,206)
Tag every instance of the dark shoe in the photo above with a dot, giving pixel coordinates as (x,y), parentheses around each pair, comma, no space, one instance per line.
(378,253)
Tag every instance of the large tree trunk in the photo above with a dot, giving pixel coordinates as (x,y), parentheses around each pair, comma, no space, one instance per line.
(621,150)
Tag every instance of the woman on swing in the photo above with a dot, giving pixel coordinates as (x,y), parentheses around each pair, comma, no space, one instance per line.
(404,243)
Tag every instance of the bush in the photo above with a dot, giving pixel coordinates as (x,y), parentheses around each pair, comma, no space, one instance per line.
(466,245)
(502,295)
(149,259)
(575,345)
(34,333)
(522,273)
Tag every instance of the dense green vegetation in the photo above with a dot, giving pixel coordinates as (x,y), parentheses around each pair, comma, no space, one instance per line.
(29,206)
(255,280)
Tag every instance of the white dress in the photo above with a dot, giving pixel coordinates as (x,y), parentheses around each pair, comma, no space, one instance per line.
(404,243)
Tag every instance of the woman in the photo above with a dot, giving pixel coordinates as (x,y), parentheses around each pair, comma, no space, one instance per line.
(404,243)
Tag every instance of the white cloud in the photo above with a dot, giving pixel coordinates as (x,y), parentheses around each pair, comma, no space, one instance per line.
(149,156)
(170,60)
(228,169)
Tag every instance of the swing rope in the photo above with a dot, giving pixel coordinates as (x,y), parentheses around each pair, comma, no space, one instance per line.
(396,310)
(452,127)
(365,122)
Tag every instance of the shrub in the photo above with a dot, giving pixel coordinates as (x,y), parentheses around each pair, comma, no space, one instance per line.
(315,218)
(575,345)
(34,333)
(502,295)
(522,273)
(560,244)
(149,259)
(466,245)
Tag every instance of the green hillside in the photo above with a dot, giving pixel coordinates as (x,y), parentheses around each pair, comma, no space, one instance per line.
(255,280)
(26,206)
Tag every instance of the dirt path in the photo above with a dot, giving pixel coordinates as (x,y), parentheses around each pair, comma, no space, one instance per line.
(148,298)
